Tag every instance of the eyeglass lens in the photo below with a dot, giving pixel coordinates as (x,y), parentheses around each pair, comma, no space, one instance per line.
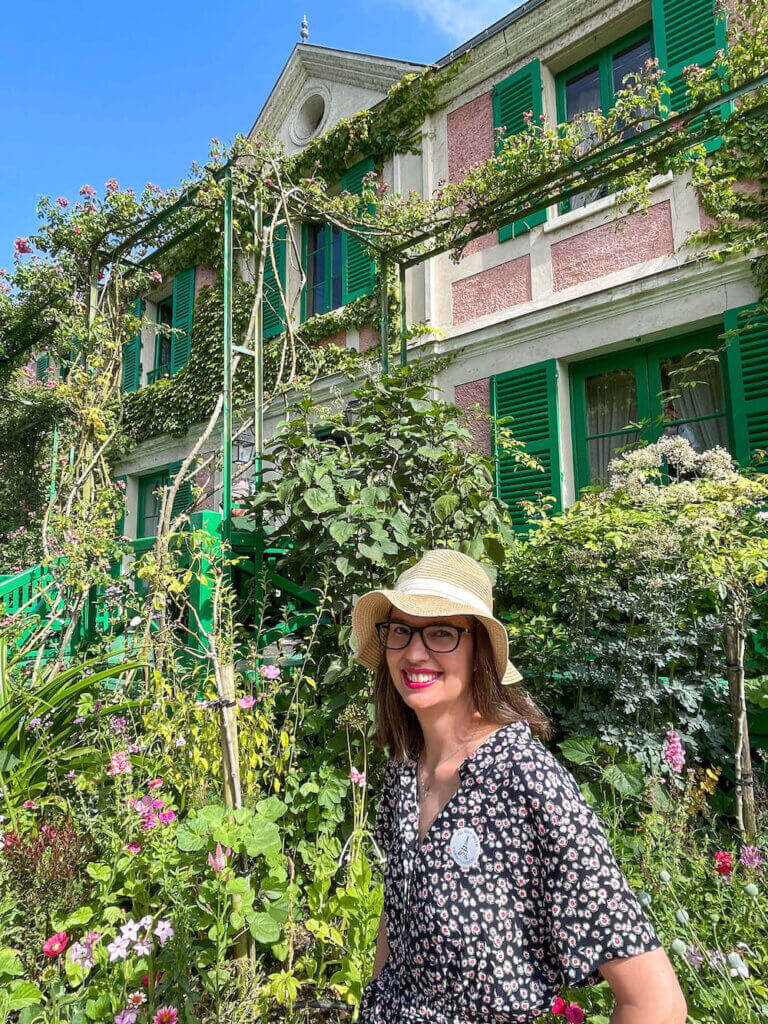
(441,639)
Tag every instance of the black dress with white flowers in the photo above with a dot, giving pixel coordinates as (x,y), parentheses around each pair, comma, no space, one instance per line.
(513,893)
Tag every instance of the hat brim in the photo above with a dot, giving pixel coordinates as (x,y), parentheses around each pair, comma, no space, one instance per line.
(374,607)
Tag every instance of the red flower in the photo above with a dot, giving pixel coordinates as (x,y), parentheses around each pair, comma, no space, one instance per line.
(145,979)
(558,1007)
(21,247)
(723,862)
(56,944)
(574,1013)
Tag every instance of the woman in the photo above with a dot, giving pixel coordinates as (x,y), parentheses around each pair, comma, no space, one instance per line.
(500,886)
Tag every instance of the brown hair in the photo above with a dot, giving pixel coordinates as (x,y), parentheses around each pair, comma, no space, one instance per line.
(397,725)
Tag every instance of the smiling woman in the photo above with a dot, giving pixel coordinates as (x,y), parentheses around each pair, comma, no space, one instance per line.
(500,885)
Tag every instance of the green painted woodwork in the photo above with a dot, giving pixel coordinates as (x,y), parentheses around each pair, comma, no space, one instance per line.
(183,497)
(529,396)
(747,359)
(183,301)
(602,61)
(327,301)
(358,269)
(512,98)
(41,367)
(131,365)
(149,506)
(272,309)
(644,364)
(685,32)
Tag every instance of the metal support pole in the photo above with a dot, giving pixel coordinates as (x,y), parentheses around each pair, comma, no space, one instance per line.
(403,318)
(384,285)
(258,416)
(226,429)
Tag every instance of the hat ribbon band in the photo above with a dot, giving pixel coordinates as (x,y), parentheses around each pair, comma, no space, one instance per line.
(429,587)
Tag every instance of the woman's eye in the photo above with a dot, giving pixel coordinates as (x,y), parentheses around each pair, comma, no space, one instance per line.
(399,630)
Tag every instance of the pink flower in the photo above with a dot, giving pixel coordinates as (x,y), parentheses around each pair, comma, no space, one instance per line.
(674,754)
(558,1007)
(118,948)
(149,821)
(163,932)
(87,190)
(158,804)
(750,857)
(133,847)
(167,816)
(29,805)
(126,1017)
(166,1015)
(136,998)
(218,860)
(247,702)
(723,862)
(81,955)
(91,939)
(62,201)
(21,247)
(154,783)
(77,229)
(56,944)
(357,777)
(269,672)
(119,763)
(156,276)
(574,1013)
(111,186)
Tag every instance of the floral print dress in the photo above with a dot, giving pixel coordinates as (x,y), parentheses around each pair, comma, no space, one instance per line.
(513,893)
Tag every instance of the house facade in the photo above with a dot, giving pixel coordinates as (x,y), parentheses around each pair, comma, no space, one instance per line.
(572,321)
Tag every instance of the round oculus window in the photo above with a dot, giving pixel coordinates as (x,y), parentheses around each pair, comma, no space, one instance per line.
(310,116)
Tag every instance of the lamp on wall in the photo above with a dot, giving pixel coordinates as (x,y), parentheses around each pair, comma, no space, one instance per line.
(352,411)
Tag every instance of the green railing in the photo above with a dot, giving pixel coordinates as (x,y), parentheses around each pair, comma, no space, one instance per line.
(158,373)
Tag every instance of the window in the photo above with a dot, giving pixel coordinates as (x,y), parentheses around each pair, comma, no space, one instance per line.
(163,340)
(592,84)
(150,502)
(323,263)
(640,394)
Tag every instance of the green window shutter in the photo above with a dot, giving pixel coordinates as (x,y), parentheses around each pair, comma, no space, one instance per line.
(529,395)
(513,98)
(183,498)
(120,524)
(358,269)
(41,367)
(272,309)
(685,32)
(747,367)
(183,299)
(129,377)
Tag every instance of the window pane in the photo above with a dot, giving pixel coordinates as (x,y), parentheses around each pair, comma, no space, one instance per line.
(602,449)
(629,61)
(582,93)
(163,338)
(151,510)
(611,401)
(336,269)
(693,401)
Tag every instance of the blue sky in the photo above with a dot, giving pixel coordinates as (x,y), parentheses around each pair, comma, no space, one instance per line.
(135,91)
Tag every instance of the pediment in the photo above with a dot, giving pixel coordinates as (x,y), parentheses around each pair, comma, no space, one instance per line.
(319,86)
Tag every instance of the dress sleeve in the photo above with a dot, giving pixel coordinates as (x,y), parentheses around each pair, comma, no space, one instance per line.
(383,829)
(590,912)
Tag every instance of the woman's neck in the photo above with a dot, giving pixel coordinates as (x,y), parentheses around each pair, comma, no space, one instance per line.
(448,733)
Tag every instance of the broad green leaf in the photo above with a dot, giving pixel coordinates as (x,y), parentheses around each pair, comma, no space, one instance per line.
(188,840)
(99,872)
(10,965)
(263,928)
(24,993)
(272,808)
(579,749)
(342,531)
(445,506)
(625,779)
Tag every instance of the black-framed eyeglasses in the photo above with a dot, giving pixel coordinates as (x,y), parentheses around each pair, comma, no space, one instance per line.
(436,637)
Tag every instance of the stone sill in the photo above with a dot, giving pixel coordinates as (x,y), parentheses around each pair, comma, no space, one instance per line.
(574,216)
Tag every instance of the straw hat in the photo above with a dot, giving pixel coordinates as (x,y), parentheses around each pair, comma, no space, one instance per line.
(442,582)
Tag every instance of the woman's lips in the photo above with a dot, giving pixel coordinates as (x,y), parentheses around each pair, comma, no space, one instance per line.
(412,684)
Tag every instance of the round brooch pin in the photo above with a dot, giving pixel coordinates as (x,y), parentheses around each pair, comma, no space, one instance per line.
(465,847)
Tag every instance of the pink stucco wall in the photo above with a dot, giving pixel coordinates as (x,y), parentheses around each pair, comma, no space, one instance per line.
(501,287)
(476,392)
(204,275)
(614,246)
(470,142)
(367,338)
(339,338)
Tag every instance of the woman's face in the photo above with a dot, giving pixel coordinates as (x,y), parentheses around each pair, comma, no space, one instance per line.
(428,679)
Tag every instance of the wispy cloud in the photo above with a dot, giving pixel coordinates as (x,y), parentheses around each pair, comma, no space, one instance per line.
(460,19)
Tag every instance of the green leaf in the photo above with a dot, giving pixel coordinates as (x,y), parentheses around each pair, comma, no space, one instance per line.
(8,761)
(99,872)
(272,808)
(264,838)
(445,505)
(188,840)
(625,779)
(10,965)
(319,501)
(24,993)
(372,552)
(579,749)
(342,531)
(263,928)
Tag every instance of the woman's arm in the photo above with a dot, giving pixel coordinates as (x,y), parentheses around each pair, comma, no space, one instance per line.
(646,989)
(382,947)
